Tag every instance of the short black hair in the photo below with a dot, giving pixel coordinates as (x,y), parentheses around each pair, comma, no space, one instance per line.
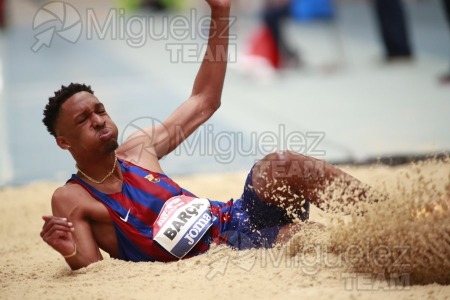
(51,111)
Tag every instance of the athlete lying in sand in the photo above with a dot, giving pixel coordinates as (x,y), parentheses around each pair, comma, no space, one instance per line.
(114,200)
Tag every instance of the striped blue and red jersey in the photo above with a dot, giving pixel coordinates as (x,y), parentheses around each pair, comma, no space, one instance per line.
(139,202)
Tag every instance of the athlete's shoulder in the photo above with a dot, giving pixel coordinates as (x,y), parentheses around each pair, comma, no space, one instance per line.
(144,160)
(69,190)
(68,197)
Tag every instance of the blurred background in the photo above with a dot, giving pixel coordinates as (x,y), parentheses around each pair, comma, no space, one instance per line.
(344,81)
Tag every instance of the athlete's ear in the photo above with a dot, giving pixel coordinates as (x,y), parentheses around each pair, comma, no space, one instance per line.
(62,142)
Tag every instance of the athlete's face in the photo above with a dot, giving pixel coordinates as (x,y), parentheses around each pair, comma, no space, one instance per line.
(84,126)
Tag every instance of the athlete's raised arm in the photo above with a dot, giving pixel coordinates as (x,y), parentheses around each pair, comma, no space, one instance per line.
(202,103)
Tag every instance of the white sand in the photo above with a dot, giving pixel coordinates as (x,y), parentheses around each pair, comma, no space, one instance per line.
(305,269)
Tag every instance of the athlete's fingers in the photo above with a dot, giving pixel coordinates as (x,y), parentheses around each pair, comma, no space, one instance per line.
(55,236)
(47,218)
(52,223)
(50,220)
(60,241)
(52,228)
(56,229)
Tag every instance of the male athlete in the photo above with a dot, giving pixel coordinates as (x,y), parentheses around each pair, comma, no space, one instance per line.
(122,202)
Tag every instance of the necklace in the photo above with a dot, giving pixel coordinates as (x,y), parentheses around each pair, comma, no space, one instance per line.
(106,177)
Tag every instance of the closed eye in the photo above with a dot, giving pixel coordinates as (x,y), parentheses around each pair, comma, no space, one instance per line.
(100,109)
(81,119)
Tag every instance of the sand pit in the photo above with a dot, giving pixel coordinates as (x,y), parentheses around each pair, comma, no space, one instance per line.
(398,250)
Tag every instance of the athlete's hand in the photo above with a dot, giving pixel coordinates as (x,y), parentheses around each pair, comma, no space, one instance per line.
(219,3)
(57,232)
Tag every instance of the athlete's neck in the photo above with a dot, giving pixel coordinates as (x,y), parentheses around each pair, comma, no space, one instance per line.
(98,170)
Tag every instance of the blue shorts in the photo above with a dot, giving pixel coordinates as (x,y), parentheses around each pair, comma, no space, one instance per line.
(255,223)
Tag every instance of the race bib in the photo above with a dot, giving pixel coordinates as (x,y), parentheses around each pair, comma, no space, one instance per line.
(181,224)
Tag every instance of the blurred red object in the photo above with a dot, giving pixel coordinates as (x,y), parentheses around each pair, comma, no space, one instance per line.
(2,14)
(262,44)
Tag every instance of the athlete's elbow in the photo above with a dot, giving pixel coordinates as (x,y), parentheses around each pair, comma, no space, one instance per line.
(216,105)
(77,266)
(210,106)
(206,104)
(81,263)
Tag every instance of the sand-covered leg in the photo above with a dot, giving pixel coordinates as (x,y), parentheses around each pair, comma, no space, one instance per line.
(289,179)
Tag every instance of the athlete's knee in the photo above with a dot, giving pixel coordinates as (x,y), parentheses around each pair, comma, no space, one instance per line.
(287,164)
(281,175)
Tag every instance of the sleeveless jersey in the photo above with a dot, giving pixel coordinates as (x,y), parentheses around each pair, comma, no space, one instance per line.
(135,208)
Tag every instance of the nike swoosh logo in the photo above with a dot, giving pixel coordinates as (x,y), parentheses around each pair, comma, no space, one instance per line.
(126,217)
